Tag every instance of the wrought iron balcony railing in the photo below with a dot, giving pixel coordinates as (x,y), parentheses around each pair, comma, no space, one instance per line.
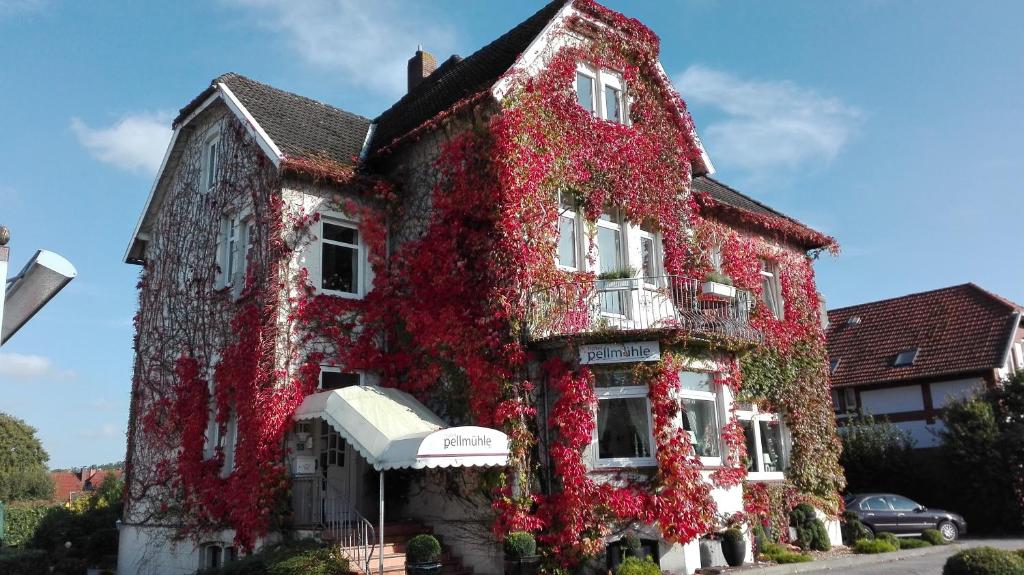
(641,303)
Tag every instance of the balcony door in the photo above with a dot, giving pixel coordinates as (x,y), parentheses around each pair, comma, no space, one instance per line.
(613,289)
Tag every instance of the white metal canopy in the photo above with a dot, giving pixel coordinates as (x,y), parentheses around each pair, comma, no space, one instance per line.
(390,428)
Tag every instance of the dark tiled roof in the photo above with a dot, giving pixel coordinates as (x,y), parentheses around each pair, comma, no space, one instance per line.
(730,196)
(456,79)
(300,127)
(958,329)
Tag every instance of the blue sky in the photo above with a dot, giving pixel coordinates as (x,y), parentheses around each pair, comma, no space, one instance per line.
(896,126)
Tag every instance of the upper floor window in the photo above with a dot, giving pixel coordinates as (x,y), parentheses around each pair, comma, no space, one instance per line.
(237,234)
(844,400)
(568,233)
(768,444)
(341,258)
(624,437)
(650,255)
(700,414)
(211,162)
(602,93)
(772,288)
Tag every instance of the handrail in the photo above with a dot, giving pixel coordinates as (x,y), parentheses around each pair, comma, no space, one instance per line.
(353,533)
(639,303)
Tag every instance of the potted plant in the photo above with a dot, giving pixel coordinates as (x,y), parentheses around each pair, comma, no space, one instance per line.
(719,285)
(622,278)
(422,555)
(521,554)
(734,547)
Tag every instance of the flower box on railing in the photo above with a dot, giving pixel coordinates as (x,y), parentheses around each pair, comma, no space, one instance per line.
(618,284)
(718,290)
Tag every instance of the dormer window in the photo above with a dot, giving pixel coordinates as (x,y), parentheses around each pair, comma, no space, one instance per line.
(602,93)
(906,357)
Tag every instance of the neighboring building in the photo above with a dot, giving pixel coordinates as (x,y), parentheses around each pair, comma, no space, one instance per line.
(299,261)
(906,358)
(70,485)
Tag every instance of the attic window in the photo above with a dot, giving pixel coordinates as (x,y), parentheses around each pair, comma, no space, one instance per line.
(833,366)
(906,357)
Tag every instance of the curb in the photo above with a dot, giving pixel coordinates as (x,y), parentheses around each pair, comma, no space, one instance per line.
(850,561)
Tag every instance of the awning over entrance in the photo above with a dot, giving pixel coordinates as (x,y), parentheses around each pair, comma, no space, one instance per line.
(393,430)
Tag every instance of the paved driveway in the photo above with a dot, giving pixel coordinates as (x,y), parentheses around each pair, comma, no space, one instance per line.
(930,564)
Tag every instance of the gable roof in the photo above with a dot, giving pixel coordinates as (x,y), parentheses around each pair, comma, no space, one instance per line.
(958,329)
(722,195)
(300,127)
(458,78)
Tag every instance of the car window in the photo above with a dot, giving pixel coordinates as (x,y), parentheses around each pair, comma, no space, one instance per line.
(900,503)
(874,504)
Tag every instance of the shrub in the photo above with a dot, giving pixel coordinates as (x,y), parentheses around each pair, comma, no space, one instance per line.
(914,543)
(810,531)
(877,455)
(871,546)
(321,561)
(423,549)
(732,535)
(853,530)
(637,566)
(889,537)
(934,537)
(520,544)
(30,562)
(780,554)
(22,521)
(984,561)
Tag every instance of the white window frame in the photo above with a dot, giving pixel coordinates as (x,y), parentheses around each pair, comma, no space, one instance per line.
(577,230)
(227,554)
(617,223)
(770,270)
(1018,356)
(209,173)
(230,444)
(213,437)
(755,417)
(604,78)
(715,396)
(657,256)
(624,392)
(336,219)
(336,369)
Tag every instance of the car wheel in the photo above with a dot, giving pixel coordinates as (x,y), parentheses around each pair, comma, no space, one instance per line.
(949,531)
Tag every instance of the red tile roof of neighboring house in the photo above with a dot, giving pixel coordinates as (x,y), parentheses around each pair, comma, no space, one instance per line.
(64,484)
(958,330)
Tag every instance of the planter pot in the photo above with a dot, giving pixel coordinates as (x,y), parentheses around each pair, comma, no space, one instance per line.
(422,568)
(734,551)
(711,553)
(718,290)
(616,284)
(522,566)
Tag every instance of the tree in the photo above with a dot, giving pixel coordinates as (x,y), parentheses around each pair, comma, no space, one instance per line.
(983,442)
(23,472)
(877,455)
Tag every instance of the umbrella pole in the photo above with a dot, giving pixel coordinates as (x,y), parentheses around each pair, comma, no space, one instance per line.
(380,551)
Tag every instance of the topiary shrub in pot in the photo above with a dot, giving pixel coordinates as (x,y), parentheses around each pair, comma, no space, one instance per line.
(734,547)
(521,554)
(810,531)
(984,561)
(423,555)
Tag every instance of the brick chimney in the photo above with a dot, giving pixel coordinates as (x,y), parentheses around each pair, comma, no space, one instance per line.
(420,66)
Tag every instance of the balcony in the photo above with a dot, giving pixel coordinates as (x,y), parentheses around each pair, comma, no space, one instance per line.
(639,304)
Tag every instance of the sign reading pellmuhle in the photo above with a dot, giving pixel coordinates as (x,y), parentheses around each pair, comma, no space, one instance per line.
(620,352)
(464,442)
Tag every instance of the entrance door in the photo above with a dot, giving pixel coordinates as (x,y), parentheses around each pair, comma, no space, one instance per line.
(338,473)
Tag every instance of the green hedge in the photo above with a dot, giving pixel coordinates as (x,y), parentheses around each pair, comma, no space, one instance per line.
(301,557)
(22,520)
(914,543)
(780,554)
(984,561)
(872,546)
(934,537)
(637,566)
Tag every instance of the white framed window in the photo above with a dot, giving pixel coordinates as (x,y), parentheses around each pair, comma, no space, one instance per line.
(1018,356)
(715,255)
(213,439)
(651,265)
(230,443)
(768,444)
(771,288)
(701,414)
(234,246)
(342,258)
(623,436)
(612,258)
(602,93)
(215,555)
(844,400)
(332,447)
(210,172)
(332,377)
(569,253)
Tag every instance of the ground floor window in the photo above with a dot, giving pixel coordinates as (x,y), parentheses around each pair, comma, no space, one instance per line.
(700,413)
(768,444)
(624,437)
(214,555)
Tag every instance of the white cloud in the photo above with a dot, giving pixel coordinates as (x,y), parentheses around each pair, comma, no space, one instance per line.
(25,367)
(103,432)
(367,42)
(135,143)
(768,125)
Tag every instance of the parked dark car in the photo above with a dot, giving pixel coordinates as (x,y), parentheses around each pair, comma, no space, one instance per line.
(902,516)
